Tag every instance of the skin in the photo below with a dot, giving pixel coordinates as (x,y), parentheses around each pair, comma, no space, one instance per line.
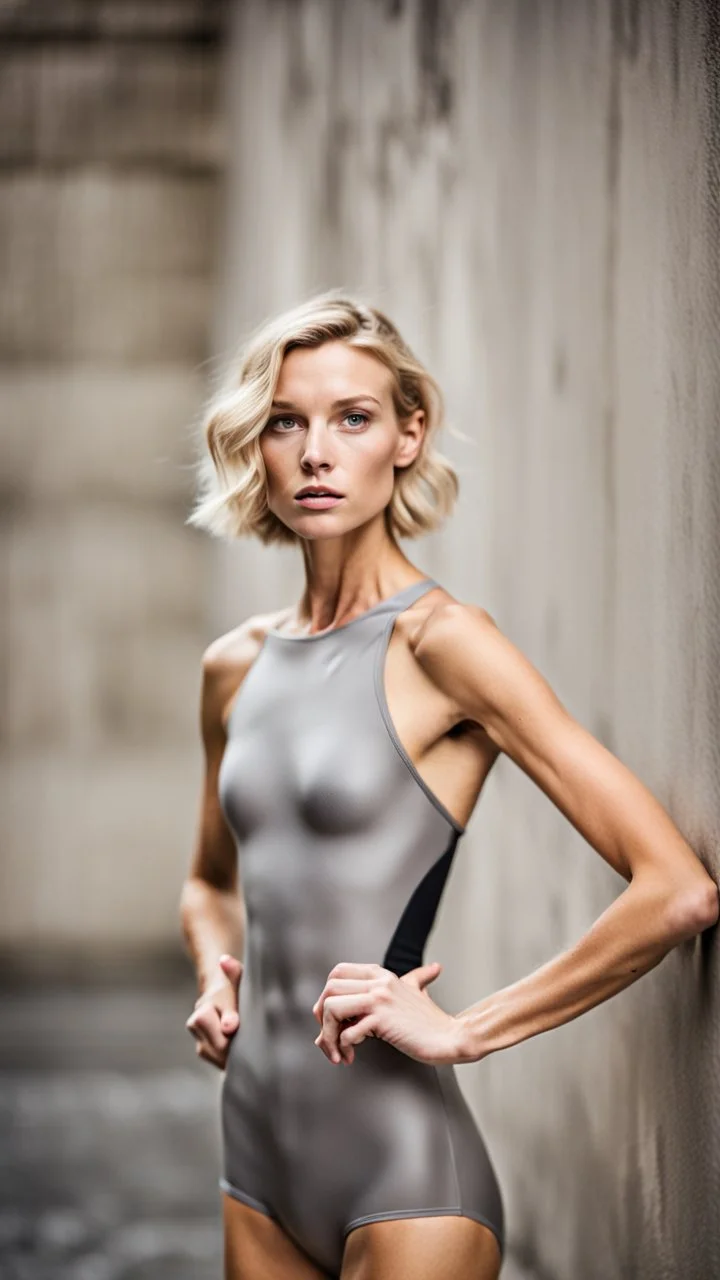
(459,693)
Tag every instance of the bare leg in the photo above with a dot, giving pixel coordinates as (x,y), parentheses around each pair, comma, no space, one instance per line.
(257,1248)
(433,1248)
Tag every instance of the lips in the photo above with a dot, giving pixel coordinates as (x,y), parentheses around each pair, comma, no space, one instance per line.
(319,499)
(318,493)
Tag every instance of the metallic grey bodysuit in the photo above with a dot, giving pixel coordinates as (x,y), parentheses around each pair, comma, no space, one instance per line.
(343,854)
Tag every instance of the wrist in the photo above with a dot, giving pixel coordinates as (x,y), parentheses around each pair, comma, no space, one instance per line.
(470,1043)
(465,1046)
(210,976)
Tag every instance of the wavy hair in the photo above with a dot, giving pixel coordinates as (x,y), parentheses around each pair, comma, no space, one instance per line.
(232,492)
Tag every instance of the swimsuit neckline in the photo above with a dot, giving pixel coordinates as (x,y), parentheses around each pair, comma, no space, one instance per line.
(331,631)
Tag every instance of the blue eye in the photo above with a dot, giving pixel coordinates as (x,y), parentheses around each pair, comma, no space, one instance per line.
(279,424)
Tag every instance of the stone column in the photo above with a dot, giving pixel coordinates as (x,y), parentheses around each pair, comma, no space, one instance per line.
(111,152)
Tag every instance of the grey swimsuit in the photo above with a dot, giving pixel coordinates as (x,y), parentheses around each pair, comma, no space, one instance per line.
(343,854)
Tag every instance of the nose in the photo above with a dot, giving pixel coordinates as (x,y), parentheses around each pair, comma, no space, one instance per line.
(316,453)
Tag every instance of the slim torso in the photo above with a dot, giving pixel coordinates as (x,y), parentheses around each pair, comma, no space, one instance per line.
(344,847)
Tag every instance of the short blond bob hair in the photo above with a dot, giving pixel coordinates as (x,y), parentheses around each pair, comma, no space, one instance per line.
(232,497)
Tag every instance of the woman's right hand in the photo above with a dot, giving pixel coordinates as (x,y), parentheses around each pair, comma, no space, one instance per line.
(215,1018)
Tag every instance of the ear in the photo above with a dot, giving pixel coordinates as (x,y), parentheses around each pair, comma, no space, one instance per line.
(412,433)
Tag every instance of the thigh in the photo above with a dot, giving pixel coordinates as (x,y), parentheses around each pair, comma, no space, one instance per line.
(257,1248)
(432,1248)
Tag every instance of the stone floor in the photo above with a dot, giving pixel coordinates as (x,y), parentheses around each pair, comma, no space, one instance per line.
(109,1138)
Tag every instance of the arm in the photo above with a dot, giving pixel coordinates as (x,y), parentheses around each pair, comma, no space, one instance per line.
(211,906)
(670,896)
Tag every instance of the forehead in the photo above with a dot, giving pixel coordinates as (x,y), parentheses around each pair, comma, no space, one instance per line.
(332,371)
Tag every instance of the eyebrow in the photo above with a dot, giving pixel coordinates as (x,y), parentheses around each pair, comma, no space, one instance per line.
(336,404)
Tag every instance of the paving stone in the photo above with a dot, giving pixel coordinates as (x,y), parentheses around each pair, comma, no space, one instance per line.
(109,1136)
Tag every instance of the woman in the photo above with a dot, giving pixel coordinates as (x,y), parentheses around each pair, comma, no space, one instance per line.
(347,741)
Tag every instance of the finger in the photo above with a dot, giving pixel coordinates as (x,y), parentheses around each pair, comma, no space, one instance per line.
(229,1018)
(231,967)
(331,1046)
(337,1010)
(423,975)
(348,969)
(359,1031)
(338,987)
(204,1053)
(206,1026)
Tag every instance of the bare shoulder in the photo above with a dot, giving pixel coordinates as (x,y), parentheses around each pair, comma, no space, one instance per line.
(449,639)
(227,660)
(485,675)
(438,621)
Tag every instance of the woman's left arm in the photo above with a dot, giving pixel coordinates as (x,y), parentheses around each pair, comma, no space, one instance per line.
(670,896)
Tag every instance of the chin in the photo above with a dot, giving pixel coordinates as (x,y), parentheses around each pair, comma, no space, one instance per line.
(320,524)
(310,531)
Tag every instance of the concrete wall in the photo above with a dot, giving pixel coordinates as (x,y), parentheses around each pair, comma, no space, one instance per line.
(531,189)
(111,152)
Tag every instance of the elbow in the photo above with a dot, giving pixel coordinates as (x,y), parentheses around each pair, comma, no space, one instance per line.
(708,906)
(192,899)
(691,912)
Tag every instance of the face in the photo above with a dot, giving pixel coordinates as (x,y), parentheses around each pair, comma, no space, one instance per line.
(333,424)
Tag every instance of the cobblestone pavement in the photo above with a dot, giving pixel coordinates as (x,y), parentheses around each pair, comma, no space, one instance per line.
(109,1138)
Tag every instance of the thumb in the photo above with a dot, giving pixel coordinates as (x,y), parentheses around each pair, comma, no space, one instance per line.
(424,974)
(232,968)
(229,1020)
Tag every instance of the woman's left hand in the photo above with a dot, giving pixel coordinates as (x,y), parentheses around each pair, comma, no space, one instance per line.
(360,1000)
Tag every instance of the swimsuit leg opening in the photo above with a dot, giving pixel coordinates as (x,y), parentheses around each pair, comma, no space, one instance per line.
(244,1198)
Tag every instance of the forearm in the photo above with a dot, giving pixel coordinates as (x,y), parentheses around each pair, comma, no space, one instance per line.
(213,922)
(631,937)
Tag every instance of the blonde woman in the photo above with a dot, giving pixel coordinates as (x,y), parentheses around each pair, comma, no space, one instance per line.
(347,741)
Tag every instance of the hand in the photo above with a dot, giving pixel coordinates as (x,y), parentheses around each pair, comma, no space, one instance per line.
(215,1018)
(360,1000)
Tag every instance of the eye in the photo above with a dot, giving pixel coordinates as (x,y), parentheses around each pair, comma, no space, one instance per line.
(277,422)
(364,417)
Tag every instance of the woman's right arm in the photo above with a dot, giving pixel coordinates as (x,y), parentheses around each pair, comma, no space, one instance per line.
(211,905)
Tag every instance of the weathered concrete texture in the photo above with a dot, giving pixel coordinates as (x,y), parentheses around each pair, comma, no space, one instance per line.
(85,664)
(99,841)
(103,267)
(110,167)
(531,190)
(112,103)
(142,453)
(134,20)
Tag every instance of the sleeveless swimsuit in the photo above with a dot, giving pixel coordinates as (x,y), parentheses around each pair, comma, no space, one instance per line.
(343,854)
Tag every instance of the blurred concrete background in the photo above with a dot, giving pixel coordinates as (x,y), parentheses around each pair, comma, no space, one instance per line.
(531,190)
(112,157)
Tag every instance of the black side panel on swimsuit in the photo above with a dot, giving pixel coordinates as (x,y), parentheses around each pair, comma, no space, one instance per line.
(343,856)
